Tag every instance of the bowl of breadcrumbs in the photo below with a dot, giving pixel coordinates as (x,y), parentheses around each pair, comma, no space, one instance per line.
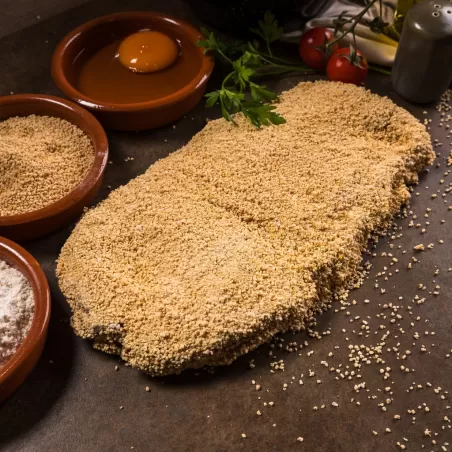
(53,156)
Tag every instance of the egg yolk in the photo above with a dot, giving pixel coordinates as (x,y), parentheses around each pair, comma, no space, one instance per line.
(147,51)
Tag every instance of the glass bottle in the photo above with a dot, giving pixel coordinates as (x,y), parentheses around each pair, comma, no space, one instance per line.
(399,16)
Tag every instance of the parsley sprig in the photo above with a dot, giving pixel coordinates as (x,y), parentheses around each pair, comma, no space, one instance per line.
(239,90)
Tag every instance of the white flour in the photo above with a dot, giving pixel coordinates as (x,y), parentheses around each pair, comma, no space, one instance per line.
(16,310)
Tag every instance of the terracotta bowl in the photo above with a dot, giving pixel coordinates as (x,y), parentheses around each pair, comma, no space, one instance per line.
(30,225)
(19,366)
(92,36)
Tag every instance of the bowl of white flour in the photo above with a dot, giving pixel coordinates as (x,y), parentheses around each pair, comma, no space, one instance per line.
(24,315)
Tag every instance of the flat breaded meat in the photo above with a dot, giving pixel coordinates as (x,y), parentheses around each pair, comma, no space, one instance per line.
(242,233)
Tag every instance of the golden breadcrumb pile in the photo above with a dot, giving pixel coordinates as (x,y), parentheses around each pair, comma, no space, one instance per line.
(243,233)
(42,159)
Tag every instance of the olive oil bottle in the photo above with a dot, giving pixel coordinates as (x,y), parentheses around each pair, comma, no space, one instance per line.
(399,16)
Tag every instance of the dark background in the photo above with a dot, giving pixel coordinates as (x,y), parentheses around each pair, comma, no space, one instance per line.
(72,400)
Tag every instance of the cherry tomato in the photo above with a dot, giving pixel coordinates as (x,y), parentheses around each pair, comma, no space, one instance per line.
(312,47)
(340,67)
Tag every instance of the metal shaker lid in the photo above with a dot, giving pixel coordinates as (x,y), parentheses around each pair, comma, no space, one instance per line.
(434,18)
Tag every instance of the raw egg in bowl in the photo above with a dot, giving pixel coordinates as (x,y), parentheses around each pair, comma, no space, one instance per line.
(133,70)
(147,51)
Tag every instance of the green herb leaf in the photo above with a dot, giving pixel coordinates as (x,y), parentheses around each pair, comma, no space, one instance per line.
(253,46)
(232,99)
(209,43)
(269,29)
(260,114)
(260,94)
(212,98)
(225,112)
(242,72)
(205,32)
(251,59)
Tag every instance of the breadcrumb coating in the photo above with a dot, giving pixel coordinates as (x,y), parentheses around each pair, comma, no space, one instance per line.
(243,233)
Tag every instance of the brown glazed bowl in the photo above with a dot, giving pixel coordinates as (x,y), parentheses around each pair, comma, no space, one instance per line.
(30,225)
(19,366)
(90,37)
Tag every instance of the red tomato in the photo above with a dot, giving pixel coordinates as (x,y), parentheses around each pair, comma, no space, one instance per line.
(341,69)
(312,47)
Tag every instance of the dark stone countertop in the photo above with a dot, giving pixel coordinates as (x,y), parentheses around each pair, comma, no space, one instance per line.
(71,402)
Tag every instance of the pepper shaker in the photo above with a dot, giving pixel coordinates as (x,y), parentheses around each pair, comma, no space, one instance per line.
(422,68)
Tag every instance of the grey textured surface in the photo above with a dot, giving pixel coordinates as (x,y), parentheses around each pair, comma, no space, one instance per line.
(19,14)
(72,400)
